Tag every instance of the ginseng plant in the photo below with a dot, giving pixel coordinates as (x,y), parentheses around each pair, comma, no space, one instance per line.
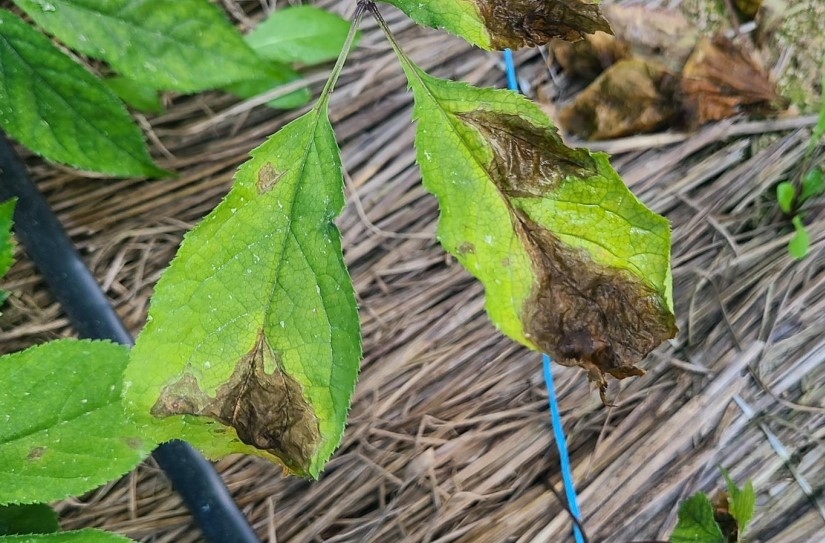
(253,343)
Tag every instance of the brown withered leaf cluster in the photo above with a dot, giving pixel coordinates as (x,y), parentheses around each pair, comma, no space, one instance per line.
(657,72)
(528,23)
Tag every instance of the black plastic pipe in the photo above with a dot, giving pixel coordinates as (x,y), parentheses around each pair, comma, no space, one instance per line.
(91,314)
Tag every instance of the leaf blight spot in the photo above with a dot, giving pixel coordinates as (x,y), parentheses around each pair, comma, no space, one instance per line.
(268,177)
(268,411)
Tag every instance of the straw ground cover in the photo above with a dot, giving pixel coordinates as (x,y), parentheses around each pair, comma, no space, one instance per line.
(448,438)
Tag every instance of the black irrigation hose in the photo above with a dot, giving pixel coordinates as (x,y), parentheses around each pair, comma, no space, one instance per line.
(91,314)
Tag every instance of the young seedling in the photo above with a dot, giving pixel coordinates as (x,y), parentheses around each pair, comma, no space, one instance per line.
(812,184)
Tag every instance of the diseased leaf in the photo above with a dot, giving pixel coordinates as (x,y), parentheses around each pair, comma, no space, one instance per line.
(572,263)
(300,35)
(800,244)
(35,518)
(253,329)
(499,24)
(185,45)
(696,522)
(56,108)
(65,431)
(785,196)
(80,536)
(721,80)
(742,502)
(631,96)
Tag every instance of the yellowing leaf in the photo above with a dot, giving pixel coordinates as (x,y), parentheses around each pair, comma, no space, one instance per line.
(499,24)
(572,263)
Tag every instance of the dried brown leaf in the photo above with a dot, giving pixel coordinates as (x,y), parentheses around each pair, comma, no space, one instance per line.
(720,80)
(664,34)
(632,96)
(588,58)
(527,23)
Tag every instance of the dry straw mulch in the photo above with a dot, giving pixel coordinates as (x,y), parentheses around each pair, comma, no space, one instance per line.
(449,437)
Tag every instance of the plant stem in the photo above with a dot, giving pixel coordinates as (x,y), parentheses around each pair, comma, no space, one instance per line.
(323,100)
(370,6)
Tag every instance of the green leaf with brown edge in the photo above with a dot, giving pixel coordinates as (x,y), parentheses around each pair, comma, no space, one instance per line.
(253,340)
(499,24)
(696,522)
(572,263)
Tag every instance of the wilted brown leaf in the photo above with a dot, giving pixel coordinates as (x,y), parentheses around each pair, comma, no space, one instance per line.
(588,58)
(721,80)
(631,96)
(527,23)
(663,34)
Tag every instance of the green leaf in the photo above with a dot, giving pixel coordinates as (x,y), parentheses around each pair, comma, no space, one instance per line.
(800,244)
(785,196)
(742,502)
(499,24)
(139,96)
(64,431)
(6,241)
(36,518)
(53,106)
(274,75)
(80,536)
(185,45)
(253,341)
(572,263)
(813,184)
(819,129)
(300,34)
(696,523)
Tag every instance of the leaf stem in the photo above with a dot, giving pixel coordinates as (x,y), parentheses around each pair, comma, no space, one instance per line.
(323,100)
(370,6)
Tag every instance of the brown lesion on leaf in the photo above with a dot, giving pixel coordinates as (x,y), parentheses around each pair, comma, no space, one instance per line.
(528,23)
(528,160)
(268,177)
(267,410)
(584,314)
(36,453)
(466,248)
